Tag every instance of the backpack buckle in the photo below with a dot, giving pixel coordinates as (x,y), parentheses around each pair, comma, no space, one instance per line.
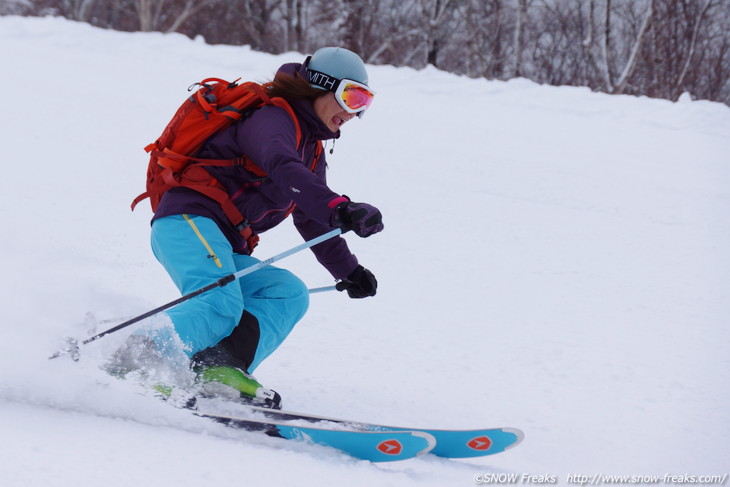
(241,227)
(244,228)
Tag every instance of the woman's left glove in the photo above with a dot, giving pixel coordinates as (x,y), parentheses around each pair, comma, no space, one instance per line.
(361,283)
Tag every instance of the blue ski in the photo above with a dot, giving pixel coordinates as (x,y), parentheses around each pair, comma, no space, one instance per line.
(376,446)
(449,443)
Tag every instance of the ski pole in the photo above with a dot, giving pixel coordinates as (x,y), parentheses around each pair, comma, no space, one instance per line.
(73,345)
(324,289)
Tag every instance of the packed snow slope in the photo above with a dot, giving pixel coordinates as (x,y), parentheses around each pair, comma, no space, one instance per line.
(554,260)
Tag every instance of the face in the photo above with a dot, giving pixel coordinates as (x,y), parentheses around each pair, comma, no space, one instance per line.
(330,112)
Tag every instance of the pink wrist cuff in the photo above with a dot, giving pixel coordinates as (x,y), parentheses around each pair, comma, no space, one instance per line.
(337,201)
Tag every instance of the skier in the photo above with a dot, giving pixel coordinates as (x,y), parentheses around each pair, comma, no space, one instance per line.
(226,333)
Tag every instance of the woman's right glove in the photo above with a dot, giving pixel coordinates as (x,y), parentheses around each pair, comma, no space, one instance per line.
(361,283)
(361,218)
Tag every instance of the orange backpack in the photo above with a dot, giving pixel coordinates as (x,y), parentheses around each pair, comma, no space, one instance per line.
(217,104)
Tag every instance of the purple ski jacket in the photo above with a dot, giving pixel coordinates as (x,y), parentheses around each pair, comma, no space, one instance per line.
(268,138)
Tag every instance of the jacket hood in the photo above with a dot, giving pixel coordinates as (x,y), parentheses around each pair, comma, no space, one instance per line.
(305,108)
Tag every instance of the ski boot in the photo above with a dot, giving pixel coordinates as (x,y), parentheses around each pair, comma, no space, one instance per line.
(233,383)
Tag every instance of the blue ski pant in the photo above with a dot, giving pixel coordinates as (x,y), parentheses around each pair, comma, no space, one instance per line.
(195,253)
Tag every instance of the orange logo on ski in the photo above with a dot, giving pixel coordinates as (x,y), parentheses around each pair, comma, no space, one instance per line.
(390,447)
(480,443)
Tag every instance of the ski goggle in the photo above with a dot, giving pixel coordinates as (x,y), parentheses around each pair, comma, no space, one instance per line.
(353,96)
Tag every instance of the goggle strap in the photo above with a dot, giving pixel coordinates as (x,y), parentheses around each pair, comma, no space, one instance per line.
(323,80)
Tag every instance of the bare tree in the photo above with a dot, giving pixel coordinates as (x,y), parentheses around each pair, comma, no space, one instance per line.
(658,48)
(249,22)
(519,37)
(78,9)
(686,50)
(17,7)
(486,23)
(375,29)
(631,62)
(434,16)
(605,42)
(613,43)
(166,15)
(692,45)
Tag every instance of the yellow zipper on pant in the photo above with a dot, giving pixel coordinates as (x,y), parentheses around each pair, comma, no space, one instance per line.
(195,228)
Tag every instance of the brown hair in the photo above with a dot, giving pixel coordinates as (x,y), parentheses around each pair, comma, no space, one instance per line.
(288,86)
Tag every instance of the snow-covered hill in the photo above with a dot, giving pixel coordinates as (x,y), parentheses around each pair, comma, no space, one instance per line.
(554,260)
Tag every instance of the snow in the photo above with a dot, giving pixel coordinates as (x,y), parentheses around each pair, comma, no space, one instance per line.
(554,260)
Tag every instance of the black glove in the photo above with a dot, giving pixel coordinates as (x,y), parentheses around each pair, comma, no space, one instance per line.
(362,218)
(361,283)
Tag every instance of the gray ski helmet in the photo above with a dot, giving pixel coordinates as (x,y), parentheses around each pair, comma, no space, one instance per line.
(335,62)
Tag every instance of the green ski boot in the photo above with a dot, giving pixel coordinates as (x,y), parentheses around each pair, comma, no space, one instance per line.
(235,384)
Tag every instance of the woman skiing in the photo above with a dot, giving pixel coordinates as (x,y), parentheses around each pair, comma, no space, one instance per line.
(229,331)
